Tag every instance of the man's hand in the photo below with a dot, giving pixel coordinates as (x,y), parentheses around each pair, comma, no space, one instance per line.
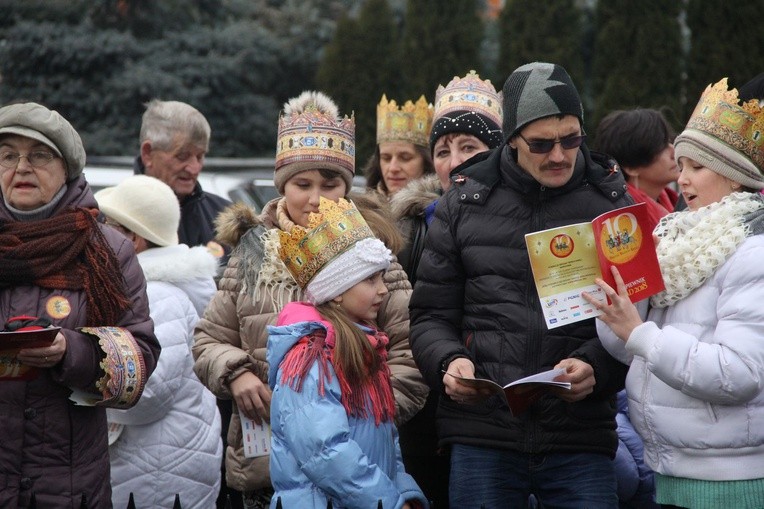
(581,377)
(463,367)
(252,396)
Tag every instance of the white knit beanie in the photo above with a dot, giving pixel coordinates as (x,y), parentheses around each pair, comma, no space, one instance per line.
(363,259)
(144,205)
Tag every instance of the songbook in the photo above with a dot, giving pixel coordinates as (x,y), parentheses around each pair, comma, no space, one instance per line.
(566,260)
(521,393)
(10,344)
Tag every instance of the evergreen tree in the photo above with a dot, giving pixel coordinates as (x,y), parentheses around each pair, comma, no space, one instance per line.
(726,39)
(440,40)
(359,65)
(638,57)
(531,31)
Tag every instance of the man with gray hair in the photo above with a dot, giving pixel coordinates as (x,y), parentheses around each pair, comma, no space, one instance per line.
(475,310)
(175,138)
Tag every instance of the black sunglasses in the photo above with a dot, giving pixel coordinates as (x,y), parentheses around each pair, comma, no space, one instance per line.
(545,146)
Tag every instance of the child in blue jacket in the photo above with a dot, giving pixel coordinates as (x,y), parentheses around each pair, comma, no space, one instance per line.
(332,410)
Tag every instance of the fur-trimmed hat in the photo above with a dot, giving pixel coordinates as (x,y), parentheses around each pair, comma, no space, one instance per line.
(334,253)
(468,105)
(312,136)
(35,121)
(725,136)
(144,205)
(538,90)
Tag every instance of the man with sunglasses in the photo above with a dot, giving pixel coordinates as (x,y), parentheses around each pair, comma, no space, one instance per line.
(475,310)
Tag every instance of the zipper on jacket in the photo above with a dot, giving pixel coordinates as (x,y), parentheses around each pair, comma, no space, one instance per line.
(534,333)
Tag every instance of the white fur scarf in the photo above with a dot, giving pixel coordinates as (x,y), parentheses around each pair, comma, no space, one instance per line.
(694,244)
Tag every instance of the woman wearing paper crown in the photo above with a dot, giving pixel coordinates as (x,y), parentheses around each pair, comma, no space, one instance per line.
(332,411)
(401,154)
(466,122)
(314,159)
(60,264)
(695,385)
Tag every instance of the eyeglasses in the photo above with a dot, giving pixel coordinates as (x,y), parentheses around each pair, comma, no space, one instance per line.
(121,229)
(10,160)
(546,146)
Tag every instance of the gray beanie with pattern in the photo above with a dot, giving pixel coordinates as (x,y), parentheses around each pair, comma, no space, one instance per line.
(538,90)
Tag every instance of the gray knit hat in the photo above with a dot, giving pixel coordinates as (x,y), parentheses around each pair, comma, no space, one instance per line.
(719,157)
(35,121)
(538,90)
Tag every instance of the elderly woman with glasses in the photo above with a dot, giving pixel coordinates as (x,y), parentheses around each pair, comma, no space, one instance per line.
(60,267)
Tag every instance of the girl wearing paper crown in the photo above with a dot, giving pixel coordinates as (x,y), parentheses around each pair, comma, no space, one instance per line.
(315,158)
(333,436)
(696,355)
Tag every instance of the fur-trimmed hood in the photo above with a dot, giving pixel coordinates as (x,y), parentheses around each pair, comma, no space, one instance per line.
(415,197)
(233,222)
(192,269)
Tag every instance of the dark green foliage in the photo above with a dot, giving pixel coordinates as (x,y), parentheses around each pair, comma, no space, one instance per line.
(441,39)
(359,65)
(533,31)
(637,58)
(238,61)
(726,41)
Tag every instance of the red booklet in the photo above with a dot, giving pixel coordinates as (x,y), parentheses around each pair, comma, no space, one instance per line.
(566,260)
(12,342)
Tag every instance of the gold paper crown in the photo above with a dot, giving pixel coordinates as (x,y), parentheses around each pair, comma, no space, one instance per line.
(335,228)
(720,114)
(411,123)
(311,131)
(469,94)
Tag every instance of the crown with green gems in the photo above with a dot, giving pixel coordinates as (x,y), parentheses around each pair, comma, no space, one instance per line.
(335,228)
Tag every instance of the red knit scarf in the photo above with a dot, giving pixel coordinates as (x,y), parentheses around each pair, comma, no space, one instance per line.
(65,252)
(375,392)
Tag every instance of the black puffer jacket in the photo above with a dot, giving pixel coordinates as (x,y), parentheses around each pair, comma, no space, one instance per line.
(475,297)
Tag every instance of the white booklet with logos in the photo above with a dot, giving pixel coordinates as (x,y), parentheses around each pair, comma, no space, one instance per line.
(256,437)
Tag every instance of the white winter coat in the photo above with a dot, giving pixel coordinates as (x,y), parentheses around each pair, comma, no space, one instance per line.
(170,442)
(696,381)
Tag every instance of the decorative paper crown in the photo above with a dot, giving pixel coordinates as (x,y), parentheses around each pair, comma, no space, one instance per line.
(335,228)
(720,114)
(471,94)
(312,131)
(411,123)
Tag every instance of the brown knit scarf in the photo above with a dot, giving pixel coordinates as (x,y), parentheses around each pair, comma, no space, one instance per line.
(66,252)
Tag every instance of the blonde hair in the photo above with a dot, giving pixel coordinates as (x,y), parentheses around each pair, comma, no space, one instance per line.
(352,350)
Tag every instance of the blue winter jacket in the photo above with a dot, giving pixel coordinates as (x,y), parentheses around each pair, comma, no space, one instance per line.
(319,452)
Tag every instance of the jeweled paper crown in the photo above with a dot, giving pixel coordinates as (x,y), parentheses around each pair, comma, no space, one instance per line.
(335,228)
(411,122)
(470,93)
(316,134)
(720,114)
